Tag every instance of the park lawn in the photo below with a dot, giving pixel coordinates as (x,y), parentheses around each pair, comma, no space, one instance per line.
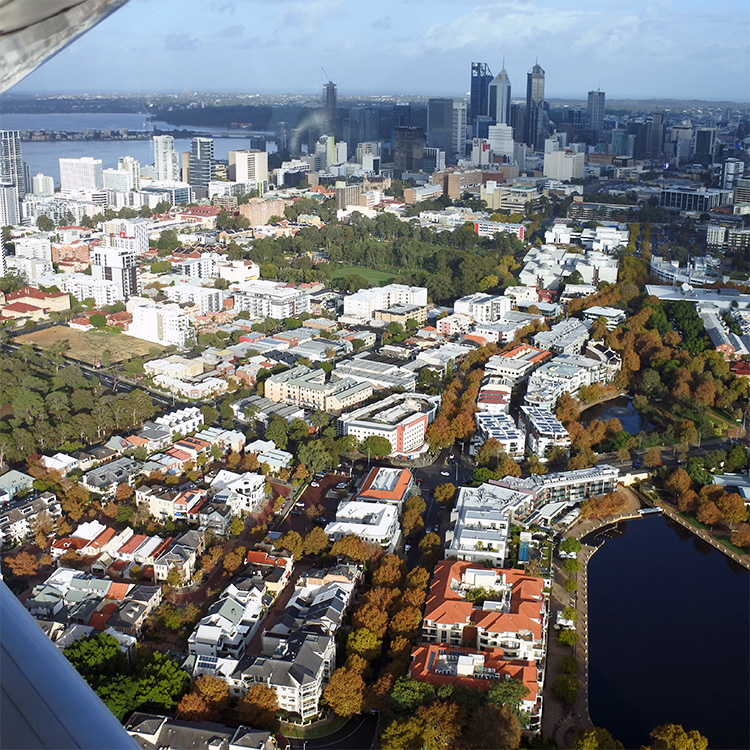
(316,730)
(88,346)
(375,277)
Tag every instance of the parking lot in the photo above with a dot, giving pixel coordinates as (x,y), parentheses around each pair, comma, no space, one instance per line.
(299,518)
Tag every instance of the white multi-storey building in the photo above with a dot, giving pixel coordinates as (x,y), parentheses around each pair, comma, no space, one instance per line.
(371,522)
(82,287)
(566,337)
(36,246)
(127,234)
(120,267)
(133,166)
(271,299)
(8,204)
(249,165)
(42,184)
(168,325)
(543,431)
(80,174)
(502,428)
(119,180)
(165,158)
(207,299)
(564,374)
(362,304)
(483,308)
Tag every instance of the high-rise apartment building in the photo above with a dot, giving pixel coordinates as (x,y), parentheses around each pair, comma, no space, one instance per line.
(480,82)
(120,267)
(127,234)
(656,136)
(440,124)
(499,98)
(330,107)
(129,164)
(731,171)
(596,111)
(80,174)
(11,164)
(202,169)
(408,148)
(8,204)
(459,127)
(166,162)
(119,180)
(249,165)
(534,106)
(42,184)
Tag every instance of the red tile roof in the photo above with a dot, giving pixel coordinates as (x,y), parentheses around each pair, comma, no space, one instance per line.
(132,544)
(118,591)
(99,619)
(402,483)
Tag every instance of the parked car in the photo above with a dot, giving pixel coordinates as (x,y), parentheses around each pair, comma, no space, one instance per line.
(314,484)
(445,473)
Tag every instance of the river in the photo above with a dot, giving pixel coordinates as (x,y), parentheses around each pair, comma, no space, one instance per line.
(42,156)
(669,636)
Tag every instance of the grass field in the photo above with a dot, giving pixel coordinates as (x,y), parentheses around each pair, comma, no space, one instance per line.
(89,345)
(375,277)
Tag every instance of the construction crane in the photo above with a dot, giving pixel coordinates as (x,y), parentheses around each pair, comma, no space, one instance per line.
(326,75)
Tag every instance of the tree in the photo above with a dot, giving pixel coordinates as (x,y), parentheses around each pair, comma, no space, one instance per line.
(192,707)
(408,694)
(315,541)
(444,493)
(571,566)
(389,571)
(652,458)
(354,548)
(376,446)
(571,544)
(565,687)
(365,643)
(508,693)
(596,738)
(291,541)
(732,507)
(345,693)
(674,737)
(258,707)
(23,565)
(315,456)
(567,637)
(276,431)
(373,617)
(709,513)
(492,727)
(236,527)
(679,481)
(741,536)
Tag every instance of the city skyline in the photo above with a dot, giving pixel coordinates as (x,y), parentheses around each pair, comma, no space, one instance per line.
(580,47)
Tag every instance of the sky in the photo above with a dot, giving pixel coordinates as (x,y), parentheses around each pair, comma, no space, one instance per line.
(681,49)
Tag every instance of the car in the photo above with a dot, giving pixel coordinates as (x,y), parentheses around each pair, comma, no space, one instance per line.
(314,484)
(300,504)
(428,530)
(407,547)
(445,473)
(637,464)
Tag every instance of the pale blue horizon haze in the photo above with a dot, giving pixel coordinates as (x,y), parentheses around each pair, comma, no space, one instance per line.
(677,49)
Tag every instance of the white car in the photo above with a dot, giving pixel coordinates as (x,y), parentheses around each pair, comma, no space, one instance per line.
(407,547)
(314,484)
(445,473)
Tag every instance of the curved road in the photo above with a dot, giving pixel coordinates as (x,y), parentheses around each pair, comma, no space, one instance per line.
(357,734)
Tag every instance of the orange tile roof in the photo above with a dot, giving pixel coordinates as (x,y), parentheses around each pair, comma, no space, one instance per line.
(99,619)
(104,537)
(398,491)
(447,606)
(118,591)
(425,656)
(132,544)
(69,542)
(161,549)
(263,558)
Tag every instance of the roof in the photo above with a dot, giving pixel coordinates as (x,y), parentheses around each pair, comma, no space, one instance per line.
(385,483)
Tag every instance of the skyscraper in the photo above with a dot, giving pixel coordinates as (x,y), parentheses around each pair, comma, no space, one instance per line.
(165,158)
(121,267)
(480,82)
(440,124)
(248,165)
(8,205)
(11,163)
(330,105)
(129,164)
(408,149)
(499,98)
(534,105)
(202,168)
(596,111)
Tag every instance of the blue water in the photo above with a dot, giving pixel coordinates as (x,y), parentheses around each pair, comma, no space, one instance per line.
(523,552)
(622,409)
(669,637)
(42,156)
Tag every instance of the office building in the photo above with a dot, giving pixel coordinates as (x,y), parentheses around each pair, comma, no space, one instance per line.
(705,144)
(8,204)
(330,107)
(480,82)
(117,180)
(42,185)
(408,148)
(202,168)
(166,162)
(564,165)
(500,138)
(499,98)
(80,174)
(11,164)
(534,107)
(699,199)
(440,124)
(731,171)
(120,267)
(596,111)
